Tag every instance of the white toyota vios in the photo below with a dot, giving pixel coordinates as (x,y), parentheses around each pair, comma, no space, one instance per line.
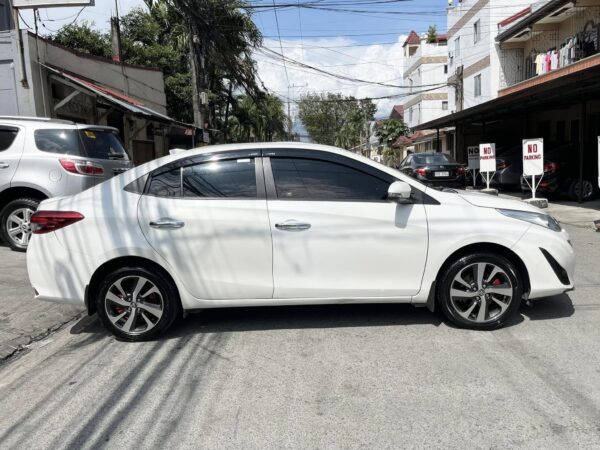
(289,224)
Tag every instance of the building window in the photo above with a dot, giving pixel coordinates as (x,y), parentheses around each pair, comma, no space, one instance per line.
(477,87)
(477,31)
(444,106)
(410,114)
(457,48)
(445,68)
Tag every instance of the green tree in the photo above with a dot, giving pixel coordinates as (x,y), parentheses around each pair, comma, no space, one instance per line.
(334,119)
(432,34)
(388,131)
(83,38)
(252,122)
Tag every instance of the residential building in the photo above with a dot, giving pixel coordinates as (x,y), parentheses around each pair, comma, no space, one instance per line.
(40,78)
(544,83)
(474,69)
(426,74)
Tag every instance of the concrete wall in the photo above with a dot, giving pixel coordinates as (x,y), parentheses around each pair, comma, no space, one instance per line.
(145,85)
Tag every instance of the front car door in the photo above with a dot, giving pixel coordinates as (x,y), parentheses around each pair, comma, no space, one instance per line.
(207,217)
(334,233)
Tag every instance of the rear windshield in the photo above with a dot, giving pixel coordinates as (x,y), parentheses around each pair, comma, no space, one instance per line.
(438,158)
(99,144)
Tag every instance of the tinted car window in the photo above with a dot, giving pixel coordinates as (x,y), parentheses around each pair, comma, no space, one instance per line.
(102,144)
(231,178)
(310,179)
(7,137)
(65,142)
(438,158)
(167,184)
(98,144)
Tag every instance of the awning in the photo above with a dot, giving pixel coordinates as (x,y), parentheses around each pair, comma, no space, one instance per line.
(114,98)
(536,92)
(551,11)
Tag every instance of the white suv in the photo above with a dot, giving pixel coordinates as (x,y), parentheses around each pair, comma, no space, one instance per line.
(43,158)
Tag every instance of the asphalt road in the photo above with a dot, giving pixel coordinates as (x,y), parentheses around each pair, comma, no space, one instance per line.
(319,377)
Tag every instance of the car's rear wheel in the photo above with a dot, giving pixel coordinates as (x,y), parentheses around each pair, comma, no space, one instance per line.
(137,303)
(15,226)
(480,291)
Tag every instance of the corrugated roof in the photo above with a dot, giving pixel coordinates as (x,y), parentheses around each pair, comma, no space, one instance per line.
(114,97)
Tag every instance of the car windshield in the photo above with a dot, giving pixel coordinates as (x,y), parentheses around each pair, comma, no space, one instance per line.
(437,158)
(92,143)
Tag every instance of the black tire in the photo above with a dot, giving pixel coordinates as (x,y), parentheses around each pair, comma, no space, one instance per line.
(7,211)
(447,280)
(588,190)
(171,304)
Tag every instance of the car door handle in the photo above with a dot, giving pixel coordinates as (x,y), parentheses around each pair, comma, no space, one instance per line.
(167,223)
(4,165)
(292,225)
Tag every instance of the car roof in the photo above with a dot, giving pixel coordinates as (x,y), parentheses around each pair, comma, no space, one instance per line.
(46,122)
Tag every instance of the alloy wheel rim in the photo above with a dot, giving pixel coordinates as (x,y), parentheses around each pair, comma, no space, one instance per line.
(134,304)
(587,191)
(481,292)
(18,226)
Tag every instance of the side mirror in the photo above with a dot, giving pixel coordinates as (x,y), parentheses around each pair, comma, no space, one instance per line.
(399,192)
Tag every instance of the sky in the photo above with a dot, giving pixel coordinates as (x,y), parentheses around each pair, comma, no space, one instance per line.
(365,43)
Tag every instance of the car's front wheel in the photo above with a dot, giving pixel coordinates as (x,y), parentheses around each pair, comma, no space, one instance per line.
(15,225)
(137,303)
(480,291)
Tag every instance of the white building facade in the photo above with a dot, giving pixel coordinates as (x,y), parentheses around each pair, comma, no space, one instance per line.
(425,67)
(475,72)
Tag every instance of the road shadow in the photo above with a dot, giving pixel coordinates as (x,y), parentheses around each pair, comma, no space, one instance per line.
(227,320)
(232,320)
(549,308)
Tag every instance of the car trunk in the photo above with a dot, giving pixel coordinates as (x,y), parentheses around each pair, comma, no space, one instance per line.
(442,171)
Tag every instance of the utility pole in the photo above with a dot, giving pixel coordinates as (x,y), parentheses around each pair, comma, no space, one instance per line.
(197,44)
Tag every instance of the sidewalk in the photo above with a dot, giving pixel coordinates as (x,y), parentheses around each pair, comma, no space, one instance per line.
(575,214)
(568,212)
(24,320)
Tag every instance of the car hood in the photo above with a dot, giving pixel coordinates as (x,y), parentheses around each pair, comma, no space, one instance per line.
(492,201)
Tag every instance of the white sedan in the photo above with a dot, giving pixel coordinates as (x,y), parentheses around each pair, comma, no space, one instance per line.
(289,224)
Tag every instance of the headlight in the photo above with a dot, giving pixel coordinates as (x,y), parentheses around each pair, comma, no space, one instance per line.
(541,219)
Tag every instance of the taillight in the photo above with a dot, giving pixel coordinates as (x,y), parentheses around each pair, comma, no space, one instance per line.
(82,167)
(461,171)
(502,165)
(421,171)
(550,167)
(47,221)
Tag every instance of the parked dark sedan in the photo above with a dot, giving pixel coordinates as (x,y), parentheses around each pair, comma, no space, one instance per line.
(561,175)
(435,169)
(509,169)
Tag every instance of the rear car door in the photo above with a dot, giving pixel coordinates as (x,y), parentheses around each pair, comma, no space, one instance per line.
(11,149)
(207,217)
(334,233)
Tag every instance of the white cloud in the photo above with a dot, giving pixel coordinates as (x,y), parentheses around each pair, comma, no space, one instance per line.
(378,63)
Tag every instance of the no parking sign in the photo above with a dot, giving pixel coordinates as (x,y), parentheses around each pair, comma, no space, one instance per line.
(533,156)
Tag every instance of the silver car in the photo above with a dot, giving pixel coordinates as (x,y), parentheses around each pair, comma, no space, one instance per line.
(44,158)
